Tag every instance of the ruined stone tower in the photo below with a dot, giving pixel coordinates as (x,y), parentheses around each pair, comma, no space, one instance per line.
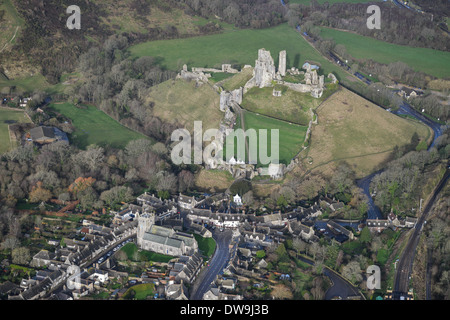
(282,63)
(264,71)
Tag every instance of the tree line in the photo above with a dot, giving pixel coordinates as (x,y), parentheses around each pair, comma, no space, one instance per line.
(97,177)
(46,42)
(437,233)
(118,85)
(400,187)
(399,26)
(242,13)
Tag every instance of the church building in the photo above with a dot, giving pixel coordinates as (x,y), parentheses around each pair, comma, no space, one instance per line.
(163,240)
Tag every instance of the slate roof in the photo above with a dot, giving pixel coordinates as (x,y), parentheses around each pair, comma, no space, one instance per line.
(44,255)
(177,292)
(42,132)
(338,228)
(162,240)
(185,199)
(188,265)
(161,231)
(8,287)
(34,291)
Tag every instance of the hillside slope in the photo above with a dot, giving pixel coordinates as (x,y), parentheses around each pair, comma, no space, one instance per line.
(353,130)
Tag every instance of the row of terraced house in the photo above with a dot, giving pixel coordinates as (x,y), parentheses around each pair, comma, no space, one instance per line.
(74,253)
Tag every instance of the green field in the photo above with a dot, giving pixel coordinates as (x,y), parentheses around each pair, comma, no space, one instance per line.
(207,246)
(292,106)
(183,102)
(133,252)
(356,131)
(11,25)
(236,47)
(93,126)
(433,62)
(140,291)
(291,136)
(7,117)
(27,84)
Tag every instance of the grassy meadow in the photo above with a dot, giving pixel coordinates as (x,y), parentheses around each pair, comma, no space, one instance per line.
(430,61)
(137,255)
(213,180)
(11,25)
(37,82)
(93,126)
(358,132)
(206,246)
(140,291)
(7,117)
(238,80)
(183,102)
(292,106)
(238,47)
(291,136)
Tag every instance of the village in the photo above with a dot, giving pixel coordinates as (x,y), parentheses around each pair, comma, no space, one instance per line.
(88,262)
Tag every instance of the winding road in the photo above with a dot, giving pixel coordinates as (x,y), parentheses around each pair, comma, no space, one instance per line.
(404,267)
(215,265)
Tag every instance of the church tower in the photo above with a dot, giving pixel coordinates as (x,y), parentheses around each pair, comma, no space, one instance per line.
(145,222)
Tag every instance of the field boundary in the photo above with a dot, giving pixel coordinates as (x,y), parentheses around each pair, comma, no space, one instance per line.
(12,138)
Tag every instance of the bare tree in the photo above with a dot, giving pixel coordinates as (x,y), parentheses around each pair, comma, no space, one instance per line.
(21,255)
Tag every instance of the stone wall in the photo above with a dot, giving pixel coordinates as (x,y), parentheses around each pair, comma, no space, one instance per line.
(226,68)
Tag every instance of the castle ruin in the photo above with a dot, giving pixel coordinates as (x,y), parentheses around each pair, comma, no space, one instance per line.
(264,75)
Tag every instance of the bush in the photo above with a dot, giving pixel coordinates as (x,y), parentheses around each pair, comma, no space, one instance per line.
(260,254)
(382,256)
(240,187)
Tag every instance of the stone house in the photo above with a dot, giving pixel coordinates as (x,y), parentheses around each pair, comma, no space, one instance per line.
(45,135)
(9,289)
(186,268)
(409,93)
(23,102)
(257,238)
(99,276)
(176,291)
(335,206)
(338,229)
(237,200)
(212,294)
(42,258)
(186,202)
(300,230)
(377,224)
